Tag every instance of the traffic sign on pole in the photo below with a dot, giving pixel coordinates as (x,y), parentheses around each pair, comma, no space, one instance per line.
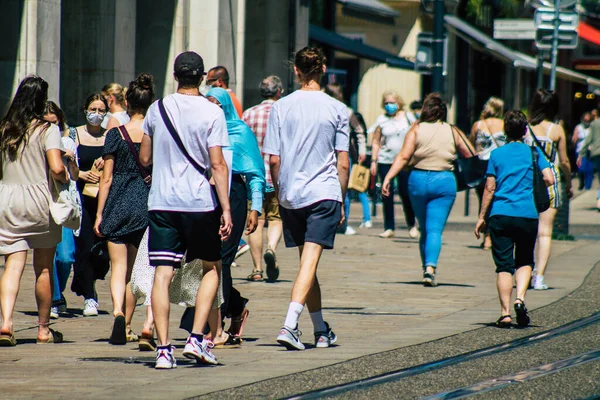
(544,18)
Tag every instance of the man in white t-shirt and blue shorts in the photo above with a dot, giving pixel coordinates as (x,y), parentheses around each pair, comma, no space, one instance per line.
(305,132)
(185,214)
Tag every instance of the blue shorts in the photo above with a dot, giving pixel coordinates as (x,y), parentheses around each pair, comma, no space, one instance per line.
(316,223)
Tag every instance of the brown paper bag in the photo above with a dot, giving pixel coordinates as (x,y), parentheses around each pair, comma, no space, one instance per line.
(91,189)
(359,178)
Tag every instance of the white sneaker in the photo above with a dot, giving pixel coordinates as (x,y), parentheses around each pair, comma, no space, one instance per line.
(350,231)
(91,308)
(413,232)
(387,234)
(165,358)
(367,225)
(533,279)
(325,339)
(53,312)
(539,284)
(290,338)
(199,351)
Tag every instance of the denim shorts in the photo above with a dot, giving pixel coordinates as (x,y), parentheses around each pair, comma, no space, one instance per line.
(513,242)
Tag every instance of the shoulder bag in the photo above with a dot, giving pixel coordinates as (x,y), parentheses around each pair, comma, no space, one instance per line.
(136,156)
(469,172)
(65,207)
(540,191)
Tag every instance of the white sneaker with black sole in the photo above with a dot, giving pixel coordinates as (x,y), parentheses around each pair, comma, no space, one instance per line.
(290,338)
(325,339)
(199,351)
(165,358)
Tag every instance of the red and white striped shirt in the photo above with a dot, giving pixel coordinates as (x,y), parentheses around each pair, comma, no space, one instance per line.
(256,118)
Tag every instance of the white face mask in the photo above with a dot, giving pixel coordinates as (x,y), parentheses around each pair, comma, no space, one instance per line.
(94,119)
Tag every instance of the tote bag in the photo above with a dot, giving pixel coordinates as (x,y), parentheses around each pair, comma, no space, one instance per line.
(65,205)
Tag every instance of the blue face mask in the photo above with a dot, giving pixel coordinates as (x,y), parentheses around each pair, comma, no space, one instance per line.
(391,109)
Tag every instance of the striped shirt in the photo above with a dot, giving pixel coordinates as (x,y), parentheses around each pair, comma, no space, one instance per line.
(256,118)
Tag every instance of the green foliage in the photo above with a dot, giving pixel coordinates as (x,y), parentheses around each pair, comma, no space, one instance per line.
(507,8)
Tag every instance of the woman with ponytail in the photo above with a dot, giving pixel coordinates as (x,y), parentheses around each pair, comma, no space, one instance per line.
(122,214)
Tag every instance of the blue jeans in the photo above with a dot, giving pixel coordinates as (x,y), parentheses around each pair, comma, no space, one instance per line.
(596,162)
(364,201)
(63,259)
(432,195)
(586,173)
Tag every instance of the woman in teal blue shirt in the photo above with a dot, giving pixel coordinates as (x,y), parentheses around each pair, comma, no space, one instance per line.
(513,217)
(247,183)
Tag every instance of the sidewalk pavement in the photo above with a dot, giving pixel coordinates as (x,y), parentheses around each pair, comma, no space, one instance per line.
(372,297)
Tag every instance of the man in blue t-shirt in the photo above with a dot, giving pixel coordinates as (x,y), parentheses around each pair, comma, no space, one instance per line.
(513,217)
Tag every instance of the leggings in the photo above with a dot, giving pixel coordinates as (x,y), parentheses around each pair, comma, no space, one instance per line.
(432,194)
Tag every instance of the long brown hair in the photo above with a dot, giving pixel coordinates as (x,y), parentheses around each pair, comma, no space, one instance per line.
(26,113)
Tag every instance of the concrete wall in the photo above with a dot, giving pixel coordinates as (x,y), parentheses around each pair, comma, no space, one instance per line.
(31,45)
(267,43)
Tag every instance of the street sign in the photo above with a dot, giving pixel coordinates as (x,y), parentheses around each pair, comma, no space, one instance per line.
(424,57)
(514,29)
(566,39)
(568,22)
(544,18)
(561,3)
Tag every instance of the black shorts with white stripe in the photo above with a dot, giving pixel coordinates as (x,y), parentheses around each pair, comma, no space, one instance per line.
(172,233)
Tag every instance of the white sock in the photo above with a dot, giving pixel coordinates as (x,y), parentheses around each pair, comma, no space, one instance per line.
(293,314)
(317,320)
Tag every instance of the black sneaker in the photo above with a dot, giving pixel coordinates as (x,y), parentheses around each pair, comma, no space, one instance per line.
(429,280)
(272,268)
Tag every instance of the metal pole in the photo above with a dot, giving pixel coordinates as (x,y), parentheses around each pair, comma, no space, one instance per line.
(540,70)
(437,69)
(555,44)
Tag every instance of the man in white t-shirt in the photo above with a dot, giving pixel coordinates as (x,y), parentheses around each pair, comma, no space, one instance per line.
(184,213)
(305,132)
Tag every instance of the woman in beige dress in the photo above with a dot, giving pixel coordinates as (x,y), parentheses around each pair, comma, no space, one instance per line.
(30,154)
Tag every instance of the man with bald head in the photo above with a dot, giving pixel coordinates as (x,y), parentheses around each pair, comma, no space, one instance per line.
(256,118)
(219,77)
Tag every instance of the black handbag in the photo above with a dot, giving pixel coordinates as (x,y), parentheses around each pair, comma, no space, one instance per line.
(540,191)
(469,172)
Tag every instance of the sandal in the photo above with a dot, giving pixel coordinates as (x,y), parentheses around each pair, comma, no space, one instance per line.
(131,335)
(146,343)
(502,324)
(522,316)
(237,323)
(255,276)
(55,337)
(7,340)
(232,342)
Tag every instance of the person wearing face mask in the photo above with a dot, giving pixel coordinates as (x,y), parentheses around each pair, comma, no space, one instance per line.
(117,106)
(415,109)
(586,171)
(90,143)
(389,132)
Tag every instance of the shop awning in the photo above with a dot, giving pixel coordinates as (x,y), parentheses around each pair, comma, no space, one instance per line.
(372,10)
(589,33)
(356,48)
(483,42)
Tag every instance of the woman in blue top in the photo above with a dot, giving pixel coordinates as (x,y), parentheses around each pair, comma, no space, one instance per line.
(513,221)
(247,183)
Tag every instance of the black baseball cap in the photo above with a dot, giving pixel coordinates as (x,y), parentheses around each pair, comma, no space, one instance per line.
(189,63)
